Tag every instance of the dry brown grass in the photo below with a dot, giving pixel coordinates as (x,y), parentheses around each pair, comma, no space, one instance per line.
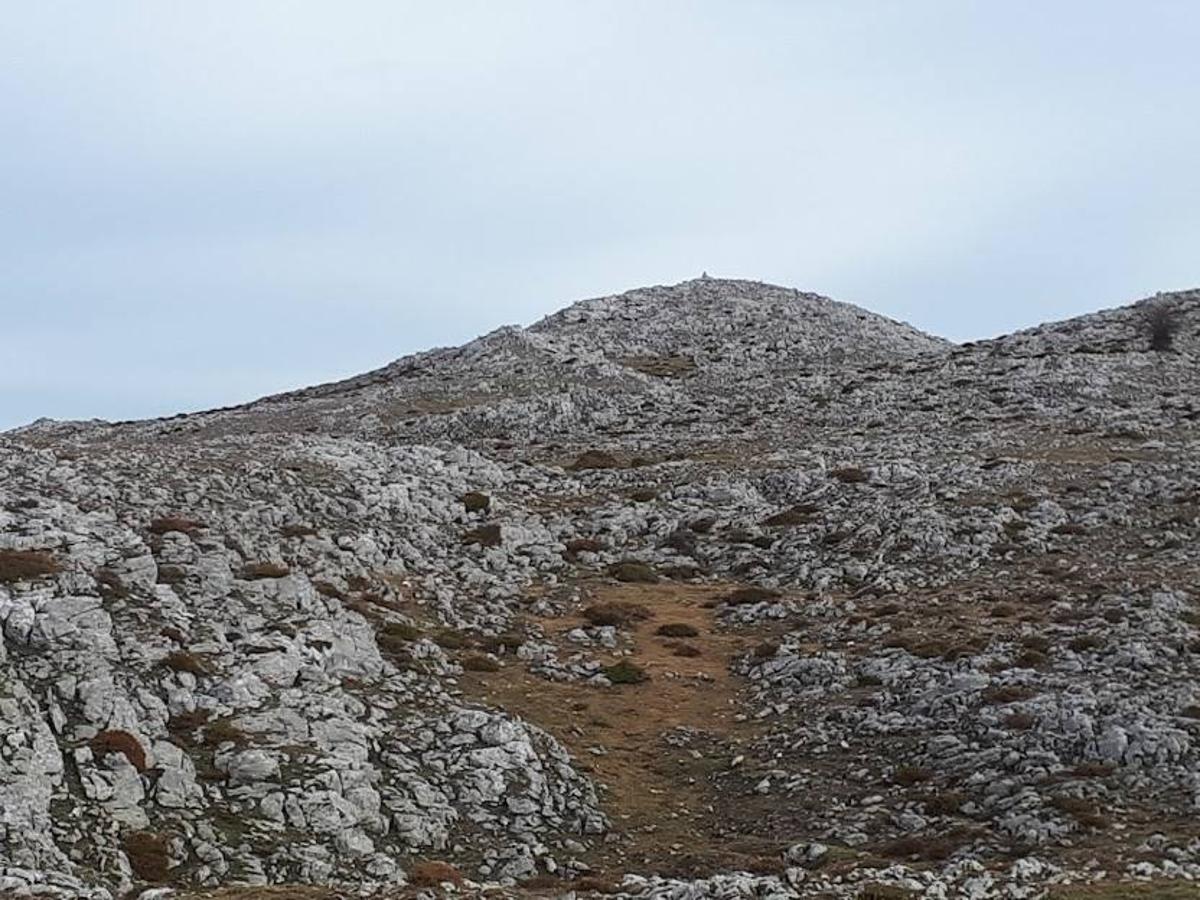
(175,523)
(186,661)
(122,742)
(149,856)
(632,572)
(256,571)
(431,873)
(26,565)
(616,613)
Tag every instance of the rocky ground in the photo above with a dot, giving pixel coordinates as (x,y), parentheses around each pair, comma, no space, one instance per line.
(711,590)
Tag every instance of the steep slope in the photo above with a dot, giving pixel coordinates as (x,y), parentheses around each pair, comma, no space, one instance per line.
(908,611)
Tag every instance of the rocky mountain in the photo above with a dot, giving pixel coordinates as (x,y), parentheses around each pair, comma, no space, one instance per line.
(717,589)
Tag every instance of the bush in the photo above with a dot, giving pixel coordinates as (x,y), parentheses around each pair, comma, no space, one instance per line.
(175,523)
(297,531)
(747,595)
(631,571)
(677,630)
(122,742)
(473,501)
(149,855)
(485,536)
(185,661)
(259,570)
(625,672)
(594,459)
(616,614)
(850,475)
(477,662)
(25,565)
(1162,324)
(224,731)
(431,873)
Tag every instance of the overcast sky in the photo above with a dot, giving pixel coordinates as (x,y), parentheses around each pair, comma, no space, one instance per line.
(204,202)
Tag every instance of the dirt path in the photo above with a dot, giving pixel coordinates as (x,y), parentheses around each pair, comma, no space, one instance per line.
(664,797)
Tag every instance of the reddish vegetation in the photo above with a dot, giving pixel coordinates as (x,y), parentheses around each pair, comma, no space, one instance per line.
(431,873)
(24,565)
(119,742)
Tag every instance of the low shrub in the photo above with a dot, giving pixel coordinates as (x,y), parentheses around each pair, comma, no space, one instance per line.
(186,661)
(474,501)
(149,855)
(677,630)
(744,596)
(224,731)
(297,531)
(26,565)
(632,572)
(1161,323)
(850,475)
(478,662)
(594,459)
(175,523)
(431,873)
(485,536)
(259,570)
(617,614)
(625,672)
(119,742)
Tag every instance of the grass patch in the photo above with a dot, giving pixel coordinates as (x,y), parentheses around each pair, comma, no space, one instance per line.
(148,854)
(632,572)
(122,742)
(256,571)
(677,630)
(625,672)
(26,565)
(474,501)
(617,614)
(175,523)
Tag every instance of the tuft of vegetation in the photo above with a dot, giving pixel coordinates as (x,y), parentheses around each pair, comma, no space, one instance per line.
(297,531)
(575,546)
(1007,693)
(850,475)
(256,571)
(122,742)
(907,776)
(1085,812)
(677,630)
(744,596)
(109,584)
(149,855)
(594,459)
(484,536)
(766,650)
(632,572)
(617,613)
(224,731)
(789,518)
(186,661)
(432,873)
(643,495)
(670,366)
(474,501)
(26,565)
(1162,324)
(625,672)
(394,637)
(479,662)
(175,523)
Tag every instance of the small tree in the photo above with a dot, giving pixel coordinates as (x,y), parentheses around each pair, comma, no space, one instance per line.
(1162,322)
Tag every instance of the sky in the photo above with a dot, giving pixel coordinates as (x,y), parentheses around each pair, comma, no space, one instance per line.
(203,203)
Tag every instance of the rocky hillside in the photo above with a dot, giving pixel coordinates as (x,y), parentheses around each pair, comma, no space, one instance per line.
(719,589)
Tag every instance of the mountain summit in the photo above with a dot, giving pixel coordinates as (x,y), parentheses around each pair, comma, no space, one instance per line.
(710,590)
